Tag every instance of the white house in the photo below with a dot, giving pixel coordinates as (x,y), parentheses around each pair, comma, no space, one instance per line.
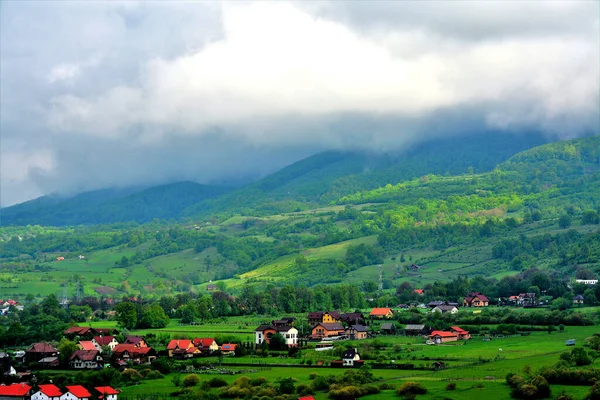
(445,309)
(101,341)
(350,356)
(107,393)
(47,392)
(76,392)
(265,332)
(587,281)
(85,359)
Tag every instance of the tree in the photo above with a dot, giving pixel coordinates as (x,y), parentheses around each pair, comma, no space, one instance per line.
(66,348)
(589,297)
(277,342)
(286,386)
(153,316)
(590,217)
(126,315)
(564,221)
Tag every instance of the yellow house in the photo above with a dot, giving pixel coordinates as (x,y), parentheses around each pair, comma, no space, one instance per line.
(476,299)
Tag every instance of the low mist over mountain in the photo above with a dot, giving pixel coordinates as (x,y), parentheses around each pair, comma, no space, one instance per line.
(318,179)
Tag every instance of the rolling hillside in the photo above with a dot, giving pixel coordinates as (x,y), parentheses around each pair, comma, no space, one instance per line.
(538,209)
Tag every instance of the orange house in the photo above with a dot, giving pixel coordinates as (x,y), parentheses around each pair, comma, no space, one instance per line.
(382,313)
(442,337)
(324,329)
(462,334)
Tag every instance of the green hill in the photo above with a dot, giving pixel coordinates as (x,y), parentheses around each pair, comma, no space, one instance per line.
(111,205)
(538,210)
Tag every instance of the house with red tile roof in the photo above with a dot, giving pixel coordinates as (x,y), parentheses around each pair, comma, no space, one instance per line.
(176,345)
(101,341)
(38,351)
(107,393)
(462,334)
(87,345)
(47,392)
(76,392)
(206,345)
(419,291)
(306,398)
(16,391)
(228,348)
(130,352)
(442,337)
(475,299)
(381,313)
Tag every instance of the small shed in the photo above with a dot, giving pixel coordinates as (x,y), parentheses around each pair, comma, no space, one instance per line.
(388,328)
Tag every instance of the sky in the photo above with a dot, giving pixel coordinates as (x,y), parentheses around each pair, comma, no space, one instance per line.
(102,94)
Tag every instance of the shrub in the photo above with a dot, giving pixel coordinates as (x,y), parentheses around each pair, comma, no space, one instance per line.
(312,376)
(542,386)
(217,382)
(304,390)
(154,375)
(451,386)
(411,388)
(191,380)
(319,383)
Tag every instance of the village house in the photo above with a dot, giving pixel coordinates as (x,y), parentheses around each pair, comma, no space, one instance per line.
(177,346)
(206,345)
(475,299)
(101,341)
(420,292)
(387,328)
(107,393)
(47,392)
(578,299)
(16,391)
(357,332)
(85,359)
(326,317)
(211,288)
(48,362)
(413,330)
(351,358)
(442,337)
(87,345)
(462,334)
(445,309)
(136,340)
(138,355)
(353,318)
(324,329)
(228,348)
(76,392)
(381,313)
(38,351)
(265,332)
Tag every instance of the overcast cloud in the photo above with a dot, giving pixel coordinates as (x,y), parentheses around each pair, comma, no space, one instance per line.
(99,94)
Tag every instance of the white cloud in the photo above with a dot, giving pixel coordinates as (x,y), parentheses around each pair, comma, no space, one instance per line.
(64,72)
(276,60)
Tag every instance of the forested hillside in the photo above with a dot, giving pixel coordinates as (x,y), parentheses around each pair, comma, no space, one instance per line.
(111,205)
(316,180)
(537,211)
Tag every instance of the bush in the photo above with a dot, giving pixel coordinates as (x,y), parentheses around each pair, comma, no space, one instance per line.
(542,386)
(411,388)
(451,386)
(304,390)
(217,382)
(191,380)
(319,383)
(154,375)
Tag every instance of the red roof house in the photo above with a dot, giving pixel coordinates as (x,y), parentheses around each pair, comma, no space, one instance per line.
(228,348)
(178,345)
(462,334)
(443,336)
(76,392)
(48,391)
(38,351)
(107,393)
(87,345)
(15,391)
(206,344)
